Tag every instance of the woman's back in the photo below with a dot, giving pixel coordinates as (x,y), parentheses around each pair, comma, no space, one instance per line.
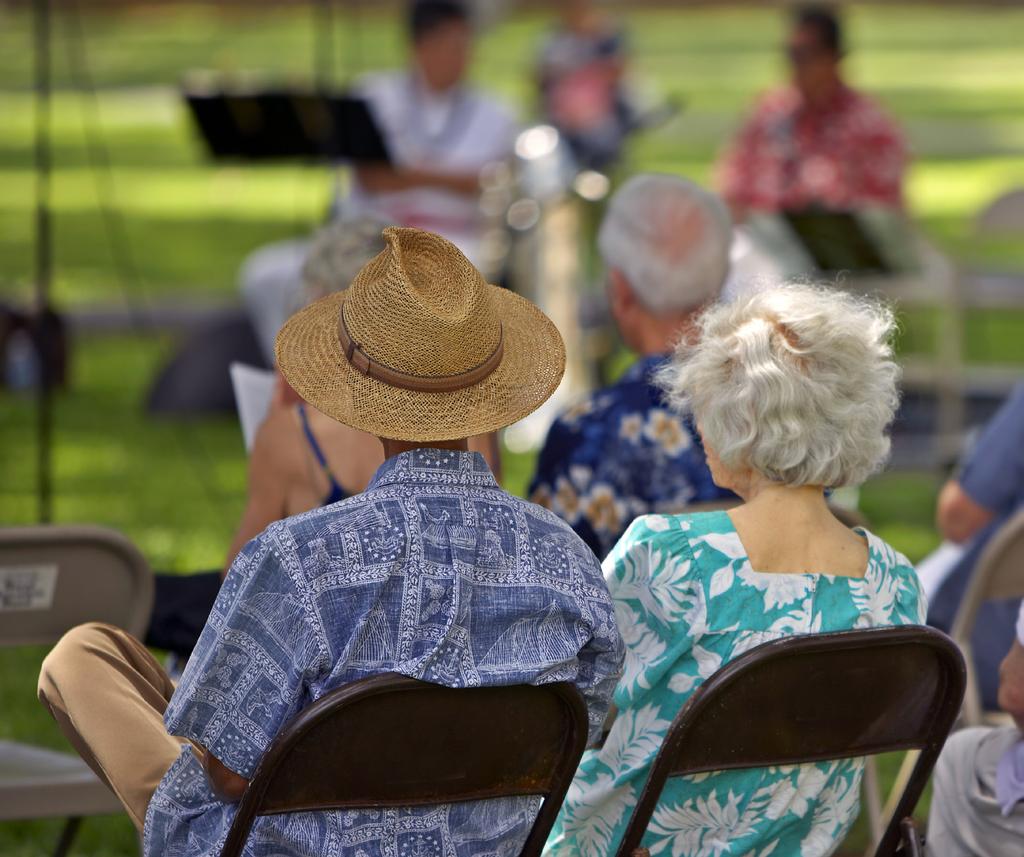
(688,600)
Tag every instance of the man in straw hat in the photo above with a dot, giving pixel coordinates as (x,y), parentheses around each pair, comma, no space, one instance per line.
(433,572)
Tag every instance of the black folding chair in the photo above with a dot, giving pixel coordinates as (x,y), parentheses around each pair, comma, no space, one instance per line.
(390,740)
(818,697)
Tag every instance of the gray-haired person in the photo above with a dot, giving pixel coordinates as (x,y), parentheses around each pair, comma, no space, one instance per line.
(792,389)
(621,452)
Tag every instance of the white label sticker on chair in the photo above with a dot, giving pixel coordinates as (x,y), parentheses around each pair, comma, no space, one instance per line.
(27,587)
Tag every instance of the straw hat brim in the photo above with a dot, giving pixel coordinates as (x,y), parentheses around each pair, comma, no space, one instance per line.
(310,356)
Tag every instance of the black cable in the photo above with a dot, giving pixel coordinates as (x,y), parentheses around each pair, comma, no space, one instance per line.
(43,258)
(133,287)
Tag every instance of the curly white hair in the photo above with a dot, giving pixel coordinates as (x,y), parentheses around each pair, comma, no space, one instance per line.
(797,383)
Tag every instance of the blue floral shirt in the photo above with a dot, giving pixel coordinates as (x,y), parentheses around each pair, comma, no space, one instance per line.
(688,602)
(618,454)
(433,572)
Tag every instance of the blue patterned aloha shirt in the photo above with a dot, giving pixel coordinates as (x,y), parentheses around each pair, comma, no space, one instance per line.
(618,454)
(433,572)
(688,601)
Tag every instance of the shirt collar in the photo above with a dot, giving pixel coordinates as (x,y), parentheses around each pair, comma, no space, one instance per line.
(644,367)
(434,467)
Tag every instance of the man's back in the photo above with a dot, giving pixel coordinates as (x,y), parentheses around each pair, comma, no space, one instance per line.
(433,572)
(620,454)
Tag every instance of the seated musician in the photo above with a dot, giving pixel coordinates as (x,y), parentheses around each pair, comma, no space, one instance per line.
(817,143)
(441,134)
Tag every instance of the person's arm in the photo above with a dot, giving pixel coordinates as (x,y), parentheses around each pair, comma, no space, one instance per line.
(600,663)
(885,160)
(736,167)
(272,451)
(383,178)
(992,476)
(253,663)
(1011,684)
(224,783)
(957,516)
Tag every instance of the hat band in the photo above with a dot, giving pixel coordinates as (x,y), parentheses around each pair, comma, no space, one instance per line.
(366,365)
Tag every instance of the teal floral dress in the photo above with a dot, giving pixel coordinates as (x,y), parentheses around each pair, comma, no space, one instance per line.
(687,601)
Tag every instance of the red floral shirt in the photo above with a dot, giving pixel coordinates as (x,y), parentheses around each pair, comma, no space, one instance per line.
(845,155)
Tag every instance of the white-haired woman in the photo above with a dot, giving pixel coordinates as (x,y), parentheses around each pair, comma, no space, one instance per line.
(792,390)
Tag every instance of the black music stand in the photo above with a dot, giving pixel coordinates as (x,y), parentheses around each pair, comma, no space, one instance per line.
(277,124)
(837,241)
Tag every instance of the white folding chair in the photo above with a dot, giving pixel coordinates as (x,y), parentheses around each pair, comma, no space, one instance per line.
(1004,214)
(999,574)
(53,578)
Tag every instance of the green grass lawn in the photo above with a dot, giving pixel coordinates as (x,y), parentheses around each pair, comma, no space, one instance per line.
(953,77)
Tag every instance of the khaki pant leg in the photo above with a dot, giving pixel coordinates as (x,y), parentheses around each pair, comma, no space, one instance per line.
(108,695)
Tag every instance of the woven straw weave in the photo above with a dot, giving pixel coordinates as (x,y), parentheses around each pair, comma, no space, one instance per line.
(420,307)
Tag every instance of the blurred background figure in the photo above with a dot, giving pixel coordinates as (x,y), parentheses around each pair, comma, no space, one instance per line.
(440,133)
(579,72)
(972,506)
(622,452)
(817,142)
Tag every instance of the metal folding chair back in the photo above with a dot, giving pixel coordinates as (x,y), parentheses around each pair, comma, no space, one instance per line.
(51,579)
(390,741)
(998,574)
(817,698)
(1005,214)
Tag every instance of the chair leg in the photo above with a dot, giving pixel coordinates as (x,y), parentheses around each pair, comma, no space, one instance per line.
(902,778)
(873,803)
(67,836)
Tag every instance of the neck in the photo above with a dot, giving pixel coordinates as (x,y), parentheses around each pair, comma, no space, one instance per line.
(824,94)
(659,334)
(806,499)
(397,447)
(426,86)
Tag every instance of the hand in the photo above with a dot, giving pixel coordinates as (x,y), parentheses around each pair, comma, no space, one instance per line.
(225,783)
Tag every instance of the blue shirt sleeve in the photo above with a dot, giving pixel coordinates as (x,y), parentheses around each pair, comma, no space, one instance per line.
(994,473)
(252,667)
(600,664)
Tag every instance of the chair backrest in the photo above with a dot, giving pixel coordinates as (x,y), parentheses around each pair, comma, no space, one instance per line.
(55,577)
(1003,214)
(818,697)
(998,573)
(390,740)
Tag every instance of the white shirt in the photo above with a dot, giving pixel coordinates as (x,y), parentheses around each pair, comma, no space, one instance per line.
(460,131)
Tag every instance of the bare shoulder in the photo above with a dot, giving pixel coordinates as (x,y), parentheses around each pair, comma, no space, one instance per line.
(276,447)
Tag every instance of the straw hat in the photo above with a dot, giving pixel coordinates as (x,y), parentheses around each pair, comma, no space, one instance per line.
(421,348)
